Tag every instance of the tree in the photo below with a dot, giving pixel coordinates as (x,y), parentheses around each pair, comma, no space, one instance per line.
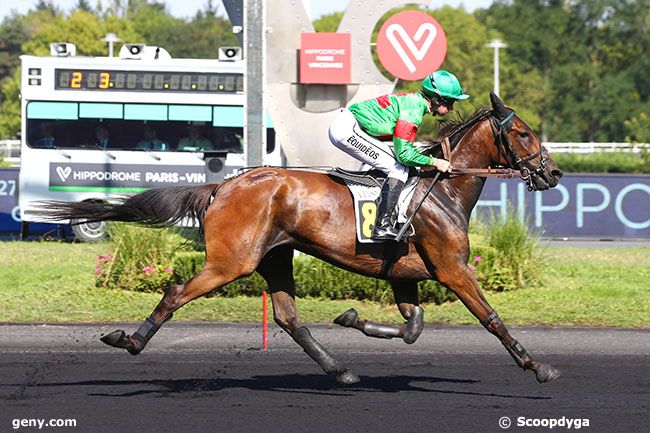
(199,37)
(10,108)
(84,29)
(638,128)
(83,5)
(469,59)
(14,32)
(328,23)
(47,6)
(12,36)
(207,33)
(592,55)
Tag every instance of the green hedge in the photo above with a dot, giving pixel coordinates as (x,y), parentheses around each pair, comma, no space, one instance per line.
(138,259)
(503,257)
(314,278)
(603,162)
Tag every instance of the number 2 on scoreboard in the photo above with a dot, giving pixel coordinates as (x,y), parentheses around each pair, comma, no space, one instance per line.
(76,80)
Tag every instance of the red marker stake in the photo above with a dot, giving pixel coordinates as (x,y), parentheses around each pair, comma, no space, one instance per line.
(265,339)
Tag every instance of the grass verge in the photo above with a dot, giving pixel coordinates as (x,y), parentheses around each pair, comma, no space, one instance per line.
(54,282)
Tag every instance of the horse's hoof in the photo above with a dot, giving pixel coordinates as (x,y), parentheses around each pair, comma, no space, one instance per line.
(115,338)
(120,339)
(546,373)
(348,319)
(134,350)
(347,378)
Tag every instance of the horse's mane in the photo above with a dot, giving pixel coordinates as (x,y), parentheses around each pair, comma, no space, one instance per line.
(455,130)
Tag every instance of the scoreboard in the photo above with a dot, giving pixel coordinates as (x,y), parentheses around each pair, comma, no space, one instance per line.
(147,81)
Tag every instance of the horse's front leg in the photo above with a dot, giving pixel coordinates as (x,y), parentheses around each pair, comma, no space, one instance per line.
(406,298)
(462,282)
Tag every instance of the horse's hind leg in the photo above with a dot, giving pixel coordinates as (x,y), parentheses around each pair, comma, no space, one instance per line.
(460,280)
(174,298)
(406,298)
(277,269)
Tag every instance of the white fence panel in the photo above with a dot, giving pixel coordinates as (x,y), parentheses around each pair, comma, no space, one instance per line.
(10,151)
(596,147)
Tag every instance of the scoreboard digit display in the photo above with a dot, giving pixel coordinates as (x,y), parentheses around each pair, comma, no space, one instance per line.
(145,81)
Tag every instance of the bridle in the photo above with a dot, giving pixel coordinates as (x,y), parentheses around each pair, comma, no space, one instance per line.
(500,130)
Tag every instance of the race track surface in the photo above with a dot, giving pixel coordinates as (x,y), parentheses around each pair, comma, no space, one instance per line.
(214,378)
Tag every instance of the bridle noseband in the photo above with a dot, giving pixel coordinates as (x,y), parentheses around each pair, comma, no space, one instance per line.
(500,129)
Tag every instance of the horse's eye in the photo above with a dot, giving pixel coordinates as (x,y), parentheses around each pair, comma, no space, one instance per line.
(524,134)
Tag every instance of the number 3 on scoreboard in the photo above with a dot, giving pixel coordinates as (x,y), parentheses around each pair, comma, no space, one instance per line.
(76,80)
(104,79)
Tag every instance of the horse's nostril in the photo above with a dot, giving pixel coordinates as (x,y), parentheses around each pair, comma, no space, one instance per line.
(557,173)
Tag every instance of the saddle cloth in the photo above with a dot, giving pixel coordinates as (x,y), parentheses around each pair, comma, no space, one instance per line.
(365,192)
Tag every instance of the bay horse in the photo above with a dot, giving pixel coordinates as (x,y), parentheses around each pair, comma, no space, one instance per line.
(255,221)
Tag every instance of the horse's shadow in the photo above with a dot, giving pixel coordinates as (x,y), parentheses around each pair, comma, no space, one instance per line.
(293,383)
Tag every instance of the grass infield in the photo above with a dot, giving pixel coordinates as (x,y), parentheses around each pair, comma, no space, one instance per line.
(54,282)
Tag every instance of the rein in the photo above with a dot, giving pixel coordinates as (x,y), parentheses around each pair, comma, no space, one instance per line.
(500,131)
(504,173)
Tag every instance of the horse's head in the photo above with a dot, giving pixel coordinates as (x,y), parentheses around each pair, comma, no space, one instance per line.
(518,147)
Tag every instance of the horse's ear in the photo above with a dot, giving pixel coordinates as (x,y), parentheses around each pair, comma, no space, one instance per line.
(499,109)
(496,102)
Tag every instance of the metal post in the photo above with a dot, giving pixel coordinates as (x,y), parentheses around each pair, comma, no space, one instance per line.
(111,38)
(496,44)
(254,78)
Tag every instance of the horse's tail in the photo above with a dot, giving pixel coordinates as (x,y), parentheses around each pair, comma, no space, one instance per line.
(158,207)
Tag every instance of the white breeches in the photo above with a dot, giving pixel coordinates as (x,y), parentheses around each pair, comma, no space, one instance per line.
(346,134)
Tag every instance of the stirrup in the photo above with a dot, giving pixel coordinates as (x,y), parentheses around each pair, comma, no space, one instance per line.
(387,232)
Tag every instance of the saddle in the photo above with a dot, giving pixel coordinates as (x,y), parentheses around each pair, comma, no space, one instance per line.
(365,187)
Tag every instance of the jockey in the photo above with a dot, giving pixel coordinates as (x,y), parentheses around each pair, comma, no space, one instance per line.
(363,131)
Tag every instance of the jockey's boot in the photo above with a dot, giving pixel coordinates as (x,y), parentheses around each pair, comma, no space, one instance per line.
(390,192)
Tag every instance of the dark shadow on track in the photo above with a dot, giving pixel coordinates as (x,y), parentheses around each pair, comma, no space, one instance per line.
(294,383)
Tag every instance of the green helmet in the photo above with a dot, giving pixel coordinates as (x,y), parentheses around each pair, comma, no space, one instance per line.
(443,83)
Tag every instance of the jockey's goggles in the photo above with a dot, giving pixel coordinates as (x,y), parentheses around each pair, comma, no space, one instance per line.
(447,102)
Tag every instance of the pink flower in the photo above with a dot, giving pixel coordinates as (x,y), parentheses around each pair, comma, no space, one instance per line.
(471,267)
(169,270)
(477,259)
(98,266)
(150,271)
(98,272)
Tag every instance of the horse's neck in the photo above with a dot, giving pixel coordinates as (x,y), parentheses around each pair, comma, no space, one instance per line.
(473,151)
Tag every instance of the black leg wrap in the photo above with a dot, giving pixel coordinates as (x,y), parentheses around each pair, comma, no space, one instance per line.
(414,325)
(493,315)
(146,331)
(519,354)
(303,337)
(378,330)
